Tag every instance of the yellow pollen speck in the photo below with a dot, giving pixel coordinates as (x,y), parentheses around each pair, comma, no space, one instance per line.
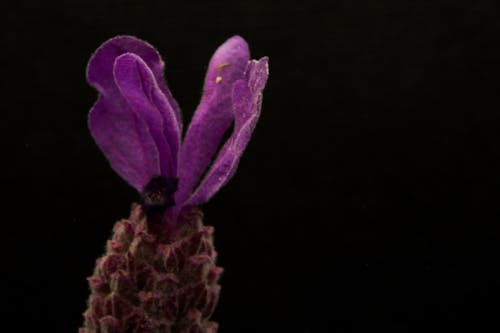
(221,66)
(218,79)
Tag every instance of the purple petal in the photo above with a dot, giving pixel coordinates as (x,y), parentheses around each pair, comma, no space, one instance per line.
(137,85)
(125,140)
(247,101)
(214,114)
(100,67)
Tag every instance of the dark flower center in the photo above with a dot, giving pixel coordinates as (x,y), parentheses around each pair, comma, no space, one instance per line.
(158,194)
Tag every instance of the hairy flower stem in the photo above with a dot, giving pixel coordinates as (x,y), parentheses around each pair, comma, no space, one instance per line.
(155,278)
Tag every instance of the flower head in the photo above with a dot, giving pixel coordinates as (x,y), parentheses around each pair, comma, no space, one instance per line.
(137,123)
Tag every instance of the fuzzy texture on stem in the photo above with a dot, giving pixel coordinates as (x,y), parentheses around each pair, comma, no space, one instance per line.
(155,281)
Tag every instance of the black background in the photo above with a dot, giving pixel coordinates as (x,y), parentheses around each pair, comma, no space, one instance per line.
(366,201)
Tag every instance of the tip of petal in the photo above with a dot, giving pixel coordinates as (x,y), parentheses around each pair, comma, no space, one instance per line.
(264,63)
(257,73)
(127,59)
(101,61)
(237,39)
(232,50)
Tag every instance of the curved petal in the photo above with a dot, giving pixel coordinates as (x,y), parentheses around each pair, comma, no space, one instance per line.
(100,67)
(137,85)
(247,101)
(214,114)
(125,140)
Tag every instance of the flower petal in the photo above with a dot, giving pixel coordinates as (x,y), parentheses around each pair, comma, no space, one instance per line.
(214,114)
(100,67)
(247,101)
(137,85)
(125,140)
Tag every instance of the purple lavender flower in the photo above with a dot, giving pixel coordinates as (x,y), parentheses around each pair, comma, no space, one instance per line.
(158,273)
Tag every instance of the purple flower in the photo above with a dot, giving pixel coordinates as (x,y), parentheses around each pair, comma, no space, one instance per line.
(137,123)
(163,277)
